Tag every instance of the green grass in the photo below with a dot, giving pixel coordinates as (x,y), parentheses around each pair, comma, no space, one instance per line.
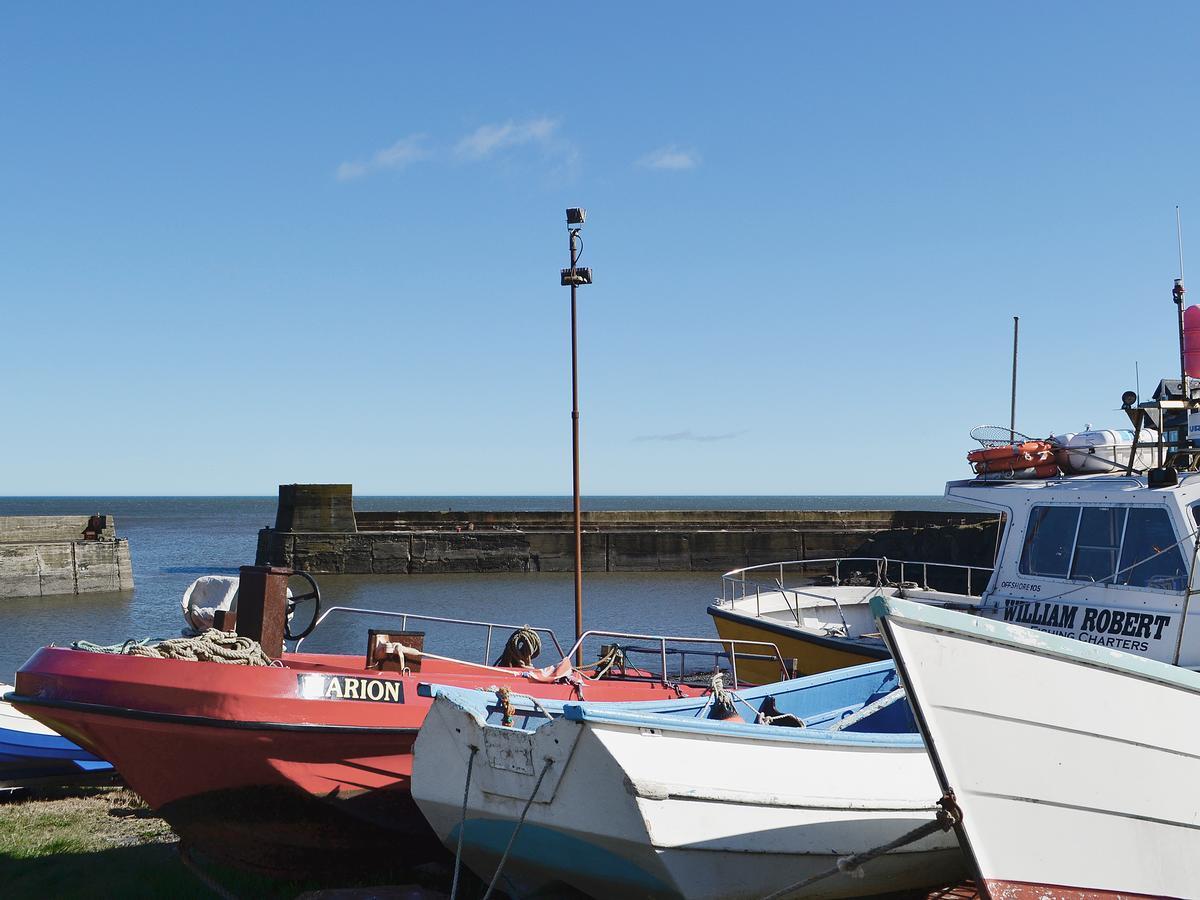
(103,842)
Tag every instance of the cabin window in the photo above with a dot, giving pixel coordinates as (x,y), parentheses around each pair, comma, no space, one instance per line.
(1048,541)
(1099,543)
(1151,552)
(1134,545)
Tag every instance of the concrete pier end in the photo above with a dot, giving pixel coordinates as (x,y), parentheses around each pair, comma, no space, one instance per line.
(43,556)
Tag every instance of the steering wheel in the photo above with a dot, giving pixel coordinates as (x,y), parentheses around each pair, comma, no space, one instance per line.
(294,601)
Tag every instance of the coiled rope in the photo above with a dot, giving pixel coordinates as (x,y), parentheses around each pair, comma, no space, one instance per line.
(210,646)
(521,650)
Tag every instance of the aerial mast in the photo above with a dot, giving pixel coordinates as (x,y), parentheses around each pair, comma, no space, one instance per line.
(1177,293)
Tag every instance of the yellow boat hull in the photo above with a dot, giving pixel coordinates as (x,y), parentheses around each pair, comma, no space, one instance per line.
(813,653)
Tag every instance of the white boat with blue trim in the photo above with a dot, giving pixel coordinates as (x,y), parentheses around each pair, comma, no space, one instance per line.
(1073,765)
(662,800)
(32,754)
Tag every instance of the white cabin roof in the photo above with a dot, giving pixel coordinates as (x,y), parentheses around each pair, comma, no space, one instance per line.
(1009,495)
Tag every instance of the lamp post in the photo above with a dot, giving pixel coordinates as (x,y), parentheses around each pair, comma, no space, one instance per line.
(575,276)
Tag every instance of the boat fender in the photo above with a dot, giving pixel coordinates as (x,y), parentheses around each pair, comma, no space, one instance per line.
(723,709)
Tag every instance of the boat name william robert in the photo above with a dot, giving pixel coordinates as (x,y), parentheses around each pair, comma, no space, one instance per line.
(1110,627)
(347,687)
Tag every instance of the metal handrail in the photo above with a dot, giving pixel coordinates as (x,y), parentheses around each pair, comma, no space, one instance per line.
(662,643)
(736,586)
(405,616)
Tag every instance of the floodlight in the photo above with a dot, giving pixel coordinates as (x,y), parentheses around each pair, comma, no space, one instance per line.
(576,215)
(576,276)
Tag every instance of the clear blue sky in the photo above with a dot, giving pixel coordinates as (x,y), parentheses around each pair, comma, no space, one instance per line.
(245,244)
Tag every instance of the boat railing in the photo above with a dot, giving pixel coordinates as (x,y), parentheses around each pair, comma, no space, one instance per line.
(729,650)
(406,617)
(772,578)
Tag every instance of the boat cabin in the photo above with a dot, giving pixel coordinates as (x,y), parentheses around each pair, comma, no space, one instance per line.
(1106,559)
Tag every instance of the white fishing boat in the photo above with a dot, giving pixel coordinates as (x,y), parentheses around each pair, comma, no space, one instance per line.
(1073,765)
(1106,558)
(663,800)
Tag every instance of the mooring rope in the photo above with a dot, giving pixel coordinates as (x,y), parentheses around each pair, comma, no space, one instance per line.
(109,648)
(207,880)
(462,824)
(211,646)
(849,865)
(520,822)
(522,648)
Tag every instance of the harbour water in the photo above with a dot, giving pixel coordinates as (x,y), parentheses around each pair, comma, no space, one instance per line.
(174,540)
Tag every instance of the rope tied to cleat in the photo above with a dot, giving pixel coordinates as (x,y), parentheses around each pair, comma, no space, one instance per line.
(948,815)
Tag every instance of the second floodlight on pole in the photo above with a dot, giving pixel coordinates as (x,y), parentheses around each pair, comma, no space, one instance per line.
(575,275)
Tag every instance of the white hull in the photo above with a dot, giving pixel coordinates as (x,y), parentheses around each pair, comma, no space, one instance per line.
(662,812)
(1075,767)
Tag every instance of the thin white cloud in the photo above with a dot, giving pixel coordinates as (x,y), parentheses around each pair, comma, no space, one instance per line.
(675,159)
(487,140)
(690,435)
(399,155)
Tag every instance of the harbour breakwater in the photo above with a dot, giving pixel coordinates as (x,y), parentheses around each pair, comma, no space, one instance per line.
(317,530)
(53,555)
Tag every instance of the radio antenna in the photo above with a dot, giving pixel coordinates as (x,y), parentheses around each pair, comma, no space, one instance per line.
(1179,239)
(1185,391)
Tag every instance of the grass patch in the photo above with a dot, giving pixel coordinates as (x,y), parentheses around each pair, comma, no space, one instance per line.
(90,842)
(104,842)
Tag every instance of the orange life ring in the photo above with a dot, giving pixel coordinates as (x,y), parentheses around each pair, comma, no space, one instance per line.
(1010,463)
(1006,452)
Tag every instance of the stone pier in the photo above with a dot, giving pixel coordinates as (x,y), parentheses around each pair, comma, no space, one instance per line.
(317,530)
(47,555)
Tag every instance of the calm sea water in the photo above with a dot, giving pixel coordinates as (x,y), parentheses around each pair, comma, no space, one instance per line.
(173,540)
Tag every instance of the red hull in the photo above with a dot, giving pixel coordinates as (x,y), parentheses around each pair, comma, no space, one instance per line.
(247,764)
(999,889)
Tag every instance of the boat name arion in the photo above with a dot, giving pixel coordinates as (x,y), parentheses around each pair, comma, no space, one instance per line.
(347,687)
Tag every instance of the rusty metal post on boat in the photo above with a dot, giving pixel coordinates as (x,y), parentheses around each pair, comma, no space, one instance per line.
(574,277)
(262,606)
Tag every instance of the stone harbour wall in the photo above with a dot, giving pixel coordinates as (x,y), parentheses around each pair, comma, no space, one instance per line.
(49,555)
(411,543)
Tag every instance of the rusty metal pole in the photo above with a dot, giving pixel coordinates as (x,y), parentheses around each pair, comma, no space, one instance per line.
(574,233)
(575,276)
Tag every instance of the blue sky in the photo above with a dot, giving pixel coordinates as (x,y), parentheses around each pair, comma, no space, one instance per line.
(245,244)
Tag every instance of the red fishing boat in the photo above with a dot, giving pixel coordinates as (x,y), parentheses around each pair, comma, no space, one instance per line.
(299,763)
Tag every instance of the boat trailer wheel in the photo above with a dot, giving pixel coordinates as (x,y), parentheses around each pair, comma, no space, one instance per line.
(294,601)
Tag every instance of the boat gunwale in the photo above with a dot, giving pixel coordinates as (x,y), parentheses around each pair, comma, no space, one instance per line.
(1030,640)
(869,646)
(122,712)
